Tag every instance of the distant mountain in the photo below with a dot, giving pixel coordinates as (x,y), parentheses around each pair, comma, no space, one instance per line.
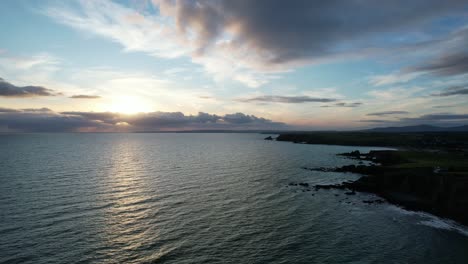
(419,128)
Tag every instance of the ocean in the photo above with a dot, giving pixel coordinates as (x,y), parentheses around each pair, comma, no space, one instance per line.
(199,198)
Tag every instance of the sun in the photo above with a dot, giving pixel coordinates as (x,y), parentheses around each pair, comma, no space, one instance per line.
(129,105)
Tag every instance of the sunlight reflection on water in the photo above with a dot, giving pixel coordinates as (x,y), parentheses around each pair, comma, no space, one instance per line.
(195,198)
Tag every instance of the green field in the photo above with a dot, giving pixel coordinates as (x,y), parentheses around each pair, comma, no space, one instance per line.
(435,140)
(453,161)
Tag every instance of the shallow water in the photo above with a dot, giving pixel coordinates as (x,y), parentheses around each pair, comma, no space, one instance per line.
(198,198)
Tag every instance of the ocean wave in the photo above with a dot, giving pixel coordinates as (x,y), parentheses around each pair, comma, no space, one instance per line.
(433,221)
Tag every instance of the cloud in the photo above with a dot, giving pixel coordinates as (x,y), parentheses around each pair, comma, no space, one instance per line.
(447,106)
(442,56)
(240,118)
(46,120)
(395,94)
(133,30)
(33,121)
(44,60)
(102,117)
(342,104)
(447,64)
(286,99)
(8,110)
(84,96)
(9,90)
(248,40)
(37,110)
(374,121)
(437,117)
(441,119)
(388,113)
(455,90)
(285,32)
(393,78)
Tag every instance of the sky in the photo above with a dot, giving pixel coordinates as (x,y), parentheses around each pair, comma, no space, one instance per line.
(164,65)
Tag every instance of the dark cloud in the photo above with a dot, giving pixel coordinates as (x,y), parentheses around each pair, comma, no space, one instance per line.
(437,117)
(431,119)
(342,104)
(348,104)
(446,65)
(104,117)
(171,119)
(285,31)
(9,90)
(84,96)
(286,99)
(455,90)
(38,110)
(45,120)
(8,110)
(240,118)
(27,121)
(374,121)
(385,113)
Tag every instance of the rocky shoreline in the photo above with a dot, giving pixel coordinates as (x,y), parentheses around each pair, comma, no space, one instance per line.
(440,191)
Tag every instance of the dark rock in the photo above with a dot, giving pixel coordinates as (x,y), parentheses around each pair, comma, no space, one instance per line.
(378,201)
(269,138)
(440,192)
(323,169)
(354,154)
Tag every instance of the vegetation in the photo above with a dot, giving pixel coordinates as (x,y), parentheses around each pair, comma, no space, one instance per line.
(429,172)
(446,140)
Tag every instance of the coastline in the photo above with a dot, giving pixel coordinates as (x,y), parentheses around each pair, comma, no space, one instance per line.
(419,178)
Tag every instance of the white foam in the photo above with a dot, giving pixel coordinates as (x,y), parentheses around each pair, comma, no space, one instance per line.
(433,221)
(445,224)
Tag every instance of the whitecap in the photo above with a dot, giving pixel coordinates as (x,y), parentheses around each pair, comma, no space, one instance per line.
(433,221)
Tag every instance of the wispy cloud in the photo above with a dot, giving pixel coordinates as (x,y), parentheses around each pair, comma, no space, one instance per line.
(374,121)
(395,94)
(286,99)
(455,90)
(242,41)
(433,119)
(393,78)
(343,104)
(438,117)
(133,30)
(386,113)
(447,64)
(84,96)
(355,104)
(27,63)
(447,106)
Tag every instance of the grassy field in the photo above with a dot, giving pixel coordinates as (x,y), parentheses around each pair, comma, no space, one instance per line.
(428,172)
(454,161)
(436,140)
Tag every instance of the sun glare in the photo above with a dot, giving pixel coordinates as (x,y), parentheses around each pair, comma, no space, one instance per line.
(129,105)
